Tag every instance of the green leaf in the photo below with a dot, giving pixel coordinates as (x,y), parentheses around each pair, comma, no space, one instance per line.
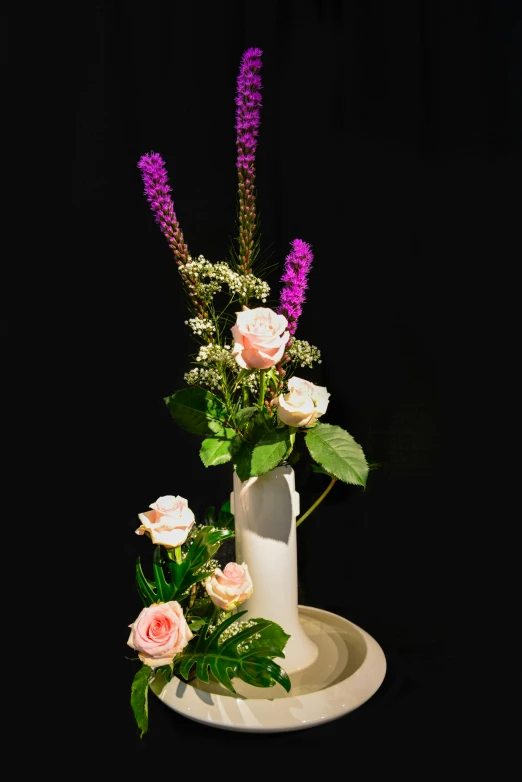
(243,461)
(338,453)
(198,411)
(270,451)
(163,587)
(203,608)
(293,458)
(245,415)
(247,655)
(144,586)
(217,450)
(196,625)
(191,570)
(318,468)
(226,518)
(259,428)
(139,698)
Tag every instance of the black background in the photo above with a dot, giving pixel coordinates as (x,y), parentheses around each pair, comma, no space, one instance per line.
(389,140)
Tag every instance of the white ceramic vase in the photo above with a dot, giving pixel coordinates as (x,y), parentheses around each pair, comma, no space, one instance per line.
(265,511)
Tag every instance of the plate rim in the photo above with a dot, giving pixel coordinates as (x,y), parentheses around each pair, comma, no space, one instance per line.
(372,670)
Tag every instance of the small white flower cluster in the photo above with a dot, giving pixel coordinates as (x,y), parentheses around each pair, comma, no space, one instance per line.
(215,354)
(304,354)
(250,381)
(234,629)
(210,564)
(211,276)
(200,325)
(199,376)
(246,285)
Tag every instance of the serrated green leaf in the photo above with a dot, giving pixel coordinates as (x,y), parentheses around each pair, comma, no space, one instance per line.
(243,461)
(318,468)
(245,415)
(270,451)
(247,655)
(139,698)
(338,453)
(259,428)
(197,411)
(217,450)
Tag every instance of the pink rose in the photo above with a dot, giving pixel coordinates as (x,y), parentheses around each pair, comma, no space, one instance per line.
(260,338)
(159,633)
(230,587)
(303,404)
(169,521)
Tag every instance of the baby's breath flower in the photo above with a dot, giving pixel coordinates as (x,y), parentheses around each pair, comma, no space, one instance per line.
(215,354)
(304,354)
(200,376)
(210,277)
(201,326)
(250,381)
(235,628)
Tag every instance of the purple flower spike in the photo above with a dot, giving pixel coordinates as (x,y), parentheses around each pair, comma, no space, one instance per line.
(295,278)
(157,190)
(248,102)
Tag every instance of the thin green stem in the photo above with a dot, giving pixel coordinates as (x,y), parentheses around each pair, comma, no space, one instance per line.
(177,552)
(262,388)
(317,502)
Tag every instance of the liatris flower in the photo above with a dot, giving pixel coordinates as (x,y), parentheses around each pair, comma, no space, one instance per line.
(157,191)
(248,101)
(295,278)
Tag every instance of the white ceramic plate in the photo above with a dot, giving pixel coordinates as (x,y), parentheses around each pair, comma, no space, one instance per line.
(349,669)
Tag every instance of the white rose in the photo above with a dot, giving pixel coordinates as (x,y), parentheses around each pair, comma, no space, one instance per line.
(169,521)
(230,587)
(303,404)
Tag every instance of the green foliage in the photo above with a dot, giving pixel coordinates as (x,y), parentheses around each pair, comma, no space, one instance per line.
(226,518)
(244,415)
(319,469)
(270,450)
(139,698)
(218,449)
(172,579)
(243,461)
(197,411)
(337,453)
(247,655)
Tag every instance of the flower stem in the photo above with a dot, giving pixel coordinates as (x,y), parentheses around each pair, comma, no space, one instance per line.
(316,503)
(262,387)
(177,552)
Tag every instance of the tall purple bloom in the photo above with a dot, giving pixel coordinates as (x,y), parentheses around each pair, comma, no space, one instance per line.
(295,279)
(157,191)
(248,102)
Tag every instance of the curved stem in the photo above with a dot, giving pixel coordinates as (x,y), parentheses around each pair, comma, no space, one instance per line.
(316,503)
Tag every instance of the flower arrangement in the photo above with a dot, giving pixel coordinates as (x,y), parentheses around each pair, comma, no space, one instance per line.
(247,405)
